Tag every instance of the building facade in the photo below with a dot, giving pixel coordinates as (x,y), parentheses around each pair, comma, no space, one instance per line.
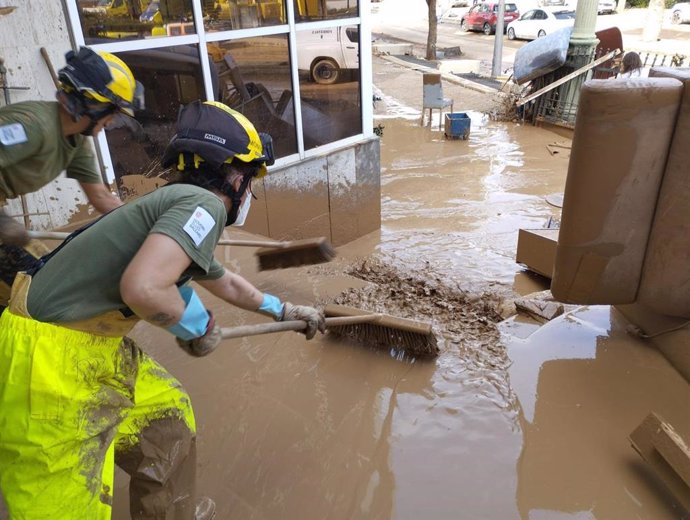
(299,69)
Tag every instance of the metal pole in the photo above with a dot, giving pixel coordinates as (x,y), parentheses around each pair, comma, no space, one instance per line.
(498,40)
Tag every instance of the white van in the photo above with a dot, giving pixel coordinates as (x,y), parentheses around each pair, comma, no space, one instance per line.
(326,52)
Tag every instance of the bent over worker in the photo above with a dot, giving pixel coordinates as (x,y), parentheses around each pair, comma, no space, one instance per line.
(75,395)
(40,139)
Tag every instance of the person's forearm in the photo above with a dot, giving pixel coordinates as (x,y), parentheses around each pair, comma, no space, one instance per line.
(234,289)
(106,202)
(100,197)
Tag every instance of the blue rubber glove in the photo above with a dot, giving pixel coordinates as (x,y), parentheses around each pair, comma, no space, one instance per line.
(272,306)
(195,319)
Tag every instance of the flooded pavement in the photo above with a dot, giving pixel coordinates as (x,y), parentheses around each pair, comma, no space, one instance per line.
(512,420)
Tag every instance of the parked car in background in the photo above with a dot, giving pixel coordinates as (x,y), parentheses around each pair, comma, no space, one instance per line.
(540,22)
(328,53)
(483,17)
(606,6)
(680,12)
(603,6)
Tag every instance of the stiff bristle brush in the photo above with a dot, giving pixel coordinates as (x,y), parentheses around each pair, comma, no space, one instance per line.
(374,330)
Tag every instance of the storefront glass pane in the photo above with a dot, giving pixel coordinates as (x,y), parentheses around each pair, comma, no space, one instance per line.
(328,63)
(224,15)
(254,79)
(311,10)
(104,20)
(171,77)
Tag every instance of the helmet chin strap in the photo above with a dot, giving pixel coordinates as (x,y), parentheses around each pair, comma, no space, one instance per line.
(89,129)
(236,197)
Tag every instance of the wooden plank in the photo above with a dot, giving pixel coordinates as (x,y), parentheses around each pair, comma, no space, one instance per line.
(562,80)
(666,453)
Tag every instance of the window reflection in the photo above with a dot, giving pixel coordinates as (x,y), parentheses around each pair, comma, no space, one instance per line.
(328,63)
(134,19)
(306,10)
(254,79)
(223,15)
(171,77)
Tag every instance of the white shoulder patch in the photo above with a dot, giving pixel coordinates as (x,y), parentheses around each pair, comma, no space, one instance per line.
(12,134)
(199,225)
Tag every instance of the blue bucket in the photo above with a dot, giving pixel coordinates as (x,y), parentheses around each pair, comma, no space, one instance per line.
(457,125)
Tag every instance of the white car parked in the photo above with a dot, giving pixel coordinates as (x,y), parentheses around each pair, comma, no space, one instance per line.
(540,22)
(606,7)
(680,12)
(603,6)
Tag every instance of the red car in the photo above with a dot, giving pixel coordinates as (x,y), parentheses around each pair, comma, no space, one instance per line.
(482,17)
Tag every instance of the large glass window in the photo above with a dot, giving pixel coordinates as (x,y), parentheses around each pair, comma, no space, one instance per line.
(224,15)
(134,19)
(254,78)
(171,77)
(328,64)
(242,57)
(310,10)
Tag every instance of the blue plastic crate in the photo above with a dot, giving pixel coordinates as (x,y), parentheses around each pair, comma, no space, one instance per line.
(457,125)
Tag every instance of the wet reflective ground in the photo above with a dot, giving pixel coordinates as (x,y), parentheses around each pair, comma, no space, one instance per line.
(511,421)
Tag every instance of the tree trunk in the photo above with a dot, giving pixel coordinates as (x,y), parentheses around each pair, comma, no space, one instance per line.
(655,17)
(431,37)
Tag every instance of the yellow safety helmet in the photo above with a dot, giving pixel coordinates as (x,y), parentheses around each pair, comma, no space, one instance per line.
(101,77)
(214,133)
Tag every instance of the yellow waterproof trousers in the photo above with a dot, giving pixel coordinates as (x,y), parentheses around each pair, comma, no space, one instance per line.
(72,404)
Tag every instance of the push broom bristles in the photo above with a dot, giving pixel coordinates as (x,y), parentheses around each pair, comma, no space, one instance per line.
(295,253)
(414,338)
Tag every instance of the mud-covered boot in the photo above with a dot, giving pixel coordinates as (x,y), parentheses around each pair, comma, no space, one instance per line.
(205,509)
(12,232)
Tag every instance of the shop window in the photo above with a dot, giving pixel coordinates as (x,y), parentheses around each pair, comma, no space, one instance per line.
(254,79)
(134,19)
(253,75)
(225,15)
(171,77)
(310,10)
(328,64)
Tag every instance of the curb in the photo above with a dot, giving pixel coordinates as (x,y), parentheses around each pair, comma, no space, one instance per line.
(452,78)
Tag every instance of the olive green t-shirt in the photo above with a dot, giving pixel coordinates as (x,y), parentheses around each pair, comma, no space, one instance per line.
(33,150)
(82,280)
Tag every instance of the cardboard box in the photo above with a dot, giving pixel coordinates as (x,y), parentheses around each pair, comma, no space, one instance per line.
(536,249)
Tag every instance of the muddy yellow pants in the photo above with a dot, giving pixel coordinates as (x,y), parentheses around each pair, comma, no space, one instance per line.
(73,404)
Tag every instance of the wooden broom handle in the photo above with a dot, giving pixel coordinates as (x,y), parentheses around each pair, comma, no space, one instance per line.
(253,243)
(61,235)
(297,325)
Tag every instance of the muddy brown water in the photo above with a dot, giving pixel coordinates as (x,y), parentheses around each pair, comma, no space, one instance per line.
(512,420)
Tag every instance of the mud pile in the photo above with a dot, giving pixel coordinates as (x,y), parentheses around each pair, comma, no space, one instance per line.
(464,323)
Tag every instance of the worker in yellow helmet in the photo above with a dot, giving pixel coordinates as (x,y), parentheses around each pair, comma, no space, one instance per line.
(76,395)
(39,140)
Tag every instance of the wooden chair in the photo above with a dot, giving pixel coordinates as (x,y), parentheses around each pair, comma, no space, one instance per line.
(432,97)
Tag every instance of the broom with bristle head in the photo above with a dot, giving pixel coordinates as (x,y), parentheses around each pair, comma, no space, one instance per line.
(375,330)
(414,338)
(308,251)
(272,255)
